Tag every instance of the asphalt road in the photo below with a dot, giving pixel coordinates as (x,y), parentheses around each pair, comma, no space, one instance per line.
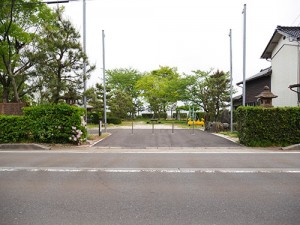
(34,198)
(143,138)
(193,161)
(146,188)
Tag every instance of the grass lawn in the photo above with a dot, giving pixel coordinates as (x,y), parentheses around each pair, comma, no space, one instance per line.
(233,134)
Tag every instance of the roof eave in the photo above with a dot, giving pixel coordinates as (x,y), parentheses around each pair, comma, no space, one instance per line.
(266,74)
(267,54)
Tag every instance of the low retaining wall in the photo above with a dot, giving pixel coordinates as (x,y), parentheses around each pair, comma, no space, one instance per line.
(11,108)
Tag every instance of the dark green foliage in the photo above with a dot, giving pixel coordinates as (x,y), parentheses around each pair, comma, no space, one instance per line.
(268,126)
(93,117)
(13,129)
(163,115)
(45,123)
(114,120)
(60,123)
(182,116)
(200,115)
(147,115)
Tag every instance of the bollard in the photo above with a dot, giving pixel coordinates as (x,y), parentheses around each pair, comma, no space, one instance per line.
(152,127)
(193,128)
(172,127)
(100,125)
(132,127)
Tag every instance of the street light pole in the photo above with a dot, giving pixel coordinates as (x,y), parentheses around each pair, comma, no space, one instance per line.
(244,58)
(84,50)
(231,102)
(104,85)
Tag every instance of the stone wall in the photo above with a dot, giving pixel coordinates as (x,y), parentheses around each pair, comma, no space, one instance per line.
(11,108)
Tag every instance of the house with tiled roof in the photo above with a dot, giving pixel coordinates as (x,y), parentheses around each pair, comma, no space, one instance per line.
(254,86)
(283,50)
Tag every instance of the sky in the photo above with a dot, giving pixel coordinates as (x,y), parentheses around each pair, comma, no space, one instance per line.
(186,34)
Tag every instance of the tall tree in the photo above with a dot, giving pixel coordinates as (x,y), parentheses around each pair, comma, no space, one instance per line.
(209,90)
(162,88)
(124,81)
(95,97)
(20,23)
(120,104)
(62,59)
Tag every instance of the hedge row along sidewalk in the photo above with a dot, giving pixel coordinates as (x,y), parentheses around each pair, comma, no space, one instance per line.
(263,127)
(60,123)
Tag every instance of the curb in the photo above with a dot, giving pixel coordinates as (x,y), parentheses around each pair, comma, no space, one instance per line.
(23,147)
(292,147)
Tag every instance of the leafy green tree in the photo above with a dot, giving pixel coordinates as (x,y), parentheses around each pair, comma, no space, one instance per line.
(95,98)
(61,60)
(120,104)
(125,80)
(162,88)
(209,90)
(20,23)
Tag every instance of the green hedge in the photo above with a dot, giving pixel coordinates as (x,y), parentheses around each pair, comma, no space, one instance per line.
(147,115)
(114,120)
(162,115)
(183,116)
(13,129)
(259,126)
(60,123)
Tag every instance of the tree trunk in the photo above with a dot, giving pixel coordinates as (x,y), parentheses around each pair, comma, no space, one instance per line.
(16,94)
(5,94)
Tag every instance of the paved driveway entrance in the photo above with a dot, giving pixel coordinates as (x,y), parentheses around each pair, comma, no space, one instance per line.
(143,138)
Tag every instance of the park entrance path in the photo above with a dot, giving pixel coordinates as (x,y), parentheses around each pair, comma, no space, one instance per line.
(162,137)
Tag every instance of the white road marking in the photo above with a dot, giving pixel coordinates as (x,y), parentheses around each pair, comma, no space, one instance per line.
(123,151)
(151,170)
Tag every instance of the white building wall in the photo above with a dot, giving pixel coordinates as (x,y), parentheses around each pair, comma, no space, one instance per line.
(285,67)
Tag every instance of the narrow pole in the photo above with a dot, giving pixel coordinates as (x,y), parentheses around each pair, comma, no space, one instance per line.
(244,57)
(152,127)
(173,127)
(132,127)
(231,102)
(193,127)
(104,87)
(84,50)
(100,126)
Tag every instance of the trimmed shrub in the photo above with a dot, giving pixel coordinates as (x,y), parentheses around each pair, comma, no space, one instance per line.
(13,129)
(183,116)
(259,126)
(60,123)
(114,120)
(147,115)
(163,115)
(45,123)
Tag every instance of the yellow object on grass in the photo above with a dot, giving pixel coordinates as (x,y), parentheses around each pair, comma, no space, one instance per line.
(197,122)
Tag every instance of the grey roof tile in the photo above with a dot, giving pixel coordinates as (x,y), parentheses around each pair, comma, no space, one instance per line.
(262,73)
(293,33)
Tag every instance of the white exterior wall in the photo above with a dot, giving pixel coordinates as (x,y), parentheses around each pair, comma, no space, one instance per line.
(285,71)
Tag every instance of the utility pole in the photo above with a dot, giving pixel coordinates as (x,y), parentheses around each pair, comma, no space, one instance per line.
(104,86)
(84,50)
(231,102)
(244,58)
